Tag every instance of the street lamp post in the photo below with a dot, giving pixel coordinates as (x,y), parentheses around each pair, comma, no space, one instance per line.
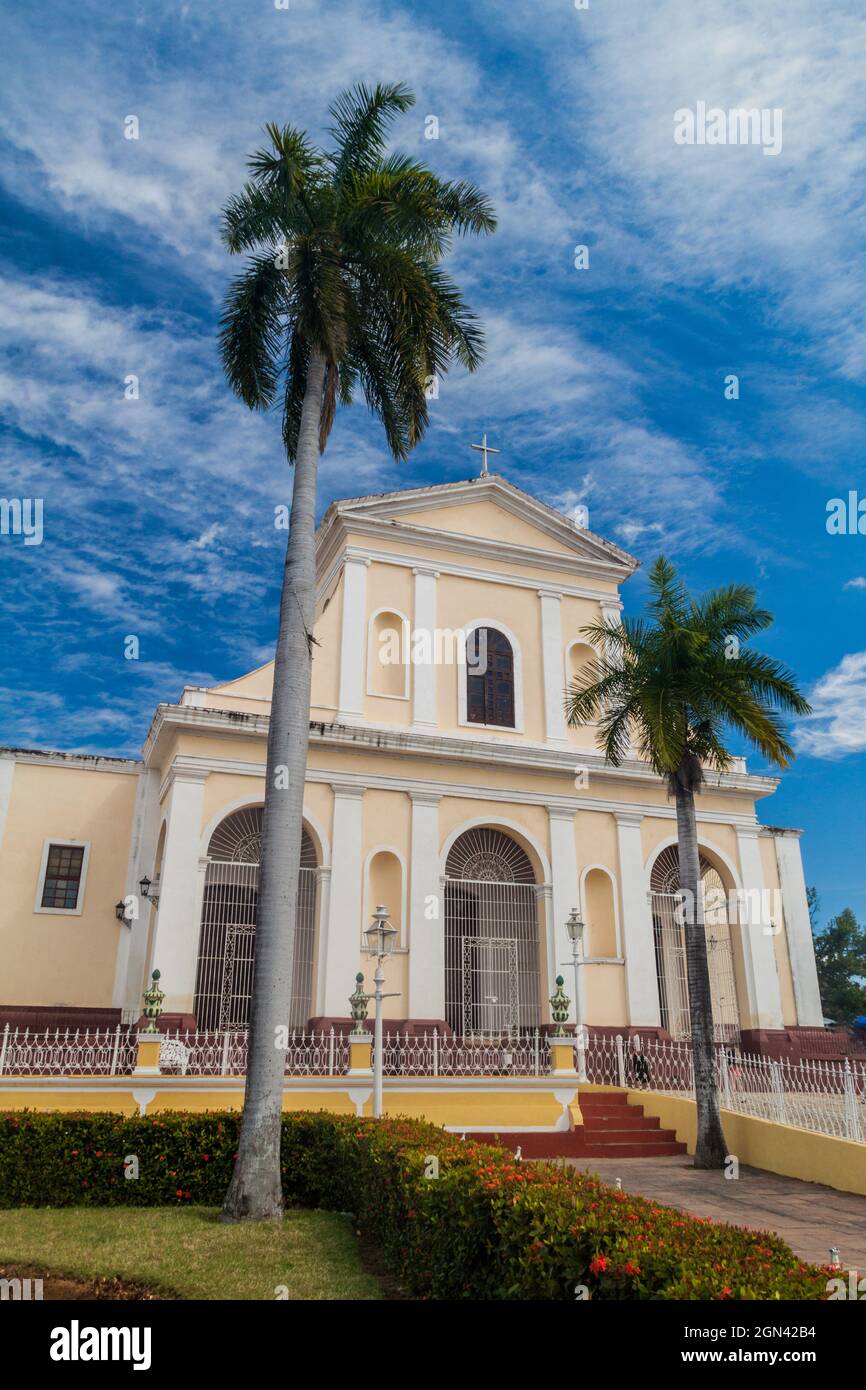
(380,943)
(575,928)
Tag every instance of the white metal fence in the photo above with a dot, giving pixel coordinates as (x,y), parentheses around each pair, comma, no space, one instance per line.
(823,1096)
(433,1054)
(65,1052)
(827,1097)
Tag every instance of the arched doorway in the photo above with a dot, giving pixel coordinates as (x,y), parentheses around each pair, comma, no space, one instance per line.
(670,948)
(491,936)
(224,976)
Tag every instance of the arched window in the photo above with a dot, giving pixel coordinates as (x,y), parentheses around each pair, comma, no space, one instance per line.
(224,977)
(491,936)
(669,911)
(385,885)
(388,655)
(601,942)
(489,678)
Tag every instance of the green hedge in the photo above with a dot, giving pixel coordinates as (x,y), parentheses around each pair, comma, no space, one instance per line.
(484,1228)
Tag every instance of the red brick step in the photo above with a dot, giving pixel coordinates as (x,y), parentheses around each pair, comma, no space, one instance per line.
(612,1128)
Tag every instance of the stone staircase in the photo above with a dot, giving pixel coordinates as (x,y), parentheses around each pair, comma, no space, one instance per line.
(611,1129)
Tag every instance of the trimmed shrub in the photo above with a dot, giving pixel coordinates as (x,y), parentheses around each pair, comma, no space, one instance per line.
(454,1219)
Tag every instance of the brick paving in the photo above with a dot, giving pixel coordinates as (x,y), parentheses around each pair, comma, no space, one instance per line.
(808,1216)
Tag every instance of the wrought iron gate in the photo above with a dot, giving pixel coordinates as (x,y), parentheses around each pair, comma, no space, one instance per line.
(491,937)
(670,949)
(224,977)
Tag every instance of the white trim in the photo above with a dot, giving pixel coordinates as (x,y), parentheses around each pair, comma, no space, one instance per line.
(406,560)
(497,823)
(452,747)
(553,666)
(584,911)
(405,643)
(462,670)
(7,776)
(702,842)
(367,910)
(258,799)
(353,628)
(40,887)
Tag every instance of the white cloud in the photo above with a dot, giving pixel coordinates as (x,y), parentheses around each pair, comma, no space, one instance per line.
(858,583)
(837,725)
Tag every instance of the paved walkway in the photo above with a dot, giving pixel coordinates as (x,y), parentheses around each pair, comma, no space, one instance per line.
(809,1217)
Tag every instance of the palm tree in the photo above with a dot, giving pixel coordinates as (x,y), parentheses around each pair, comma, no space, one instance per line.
(342,291)
(673,684)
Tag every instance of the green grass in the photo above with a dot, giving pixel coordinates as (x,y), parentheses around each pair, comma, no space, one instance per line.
(190,1254)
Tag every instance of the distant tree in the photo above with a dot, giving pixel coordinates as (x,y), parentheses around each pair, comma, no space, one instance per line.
(813,902)
(840,954)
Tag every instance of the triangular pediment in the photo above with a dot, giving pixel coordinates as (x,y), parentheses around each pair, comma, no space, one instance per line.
(488,513)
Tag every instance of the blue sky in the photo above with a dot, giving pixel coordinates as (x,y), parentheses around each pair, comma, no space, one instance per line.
(602,386)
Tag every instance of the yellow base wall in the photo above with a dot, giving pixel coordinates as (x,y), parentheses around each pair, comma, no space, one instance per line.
(453,1105)
(793,1153)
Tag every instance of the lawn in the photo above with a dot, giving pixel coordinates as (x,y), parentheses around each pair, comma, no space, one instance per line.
(190,1254)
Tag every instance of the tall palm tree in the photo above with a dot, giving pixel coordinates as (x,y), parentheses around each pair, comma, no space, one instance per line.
(342,291)
(673,684)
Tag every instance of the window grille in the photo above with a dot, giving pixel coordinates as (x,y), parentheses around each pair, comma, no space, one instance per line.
(224,976)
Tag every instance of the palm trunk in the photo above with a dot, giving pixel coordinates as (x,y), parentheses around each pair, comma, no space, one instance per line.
(255,1191)
(710,1148)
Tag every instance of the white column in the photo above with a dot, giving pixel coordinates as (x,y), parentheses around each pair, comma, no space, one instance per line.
(323,877)
(426,931)
(638,943)
(564,890)
(353,638)
(801,948)
(425,673)
(756,935)
(343,945)
(132,944)
(7,776)
(175,952)
(553,665)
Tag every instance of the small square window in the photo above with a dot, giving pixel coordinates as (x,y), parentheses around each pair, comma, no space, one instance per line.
(62,883)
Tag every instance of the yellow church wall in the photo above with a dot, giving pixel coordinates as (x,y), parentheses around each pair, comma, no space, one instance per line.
(63,958)
(604,993)
(326,654)
(487,520)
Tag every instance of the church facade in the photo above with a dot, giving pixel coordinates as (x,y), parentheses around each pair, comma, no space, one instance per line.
(443,782)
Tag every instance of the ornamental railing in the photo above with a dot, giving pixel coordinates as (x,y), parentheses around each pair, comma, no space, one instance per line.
(822,1096)
(225,1053)
(436,1054)
(67,1052)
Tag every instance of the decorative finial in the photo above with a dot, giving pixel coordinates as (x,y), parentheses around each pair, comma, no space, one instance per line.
(359,1004)
(559,1005)
(484,449)
(153,998)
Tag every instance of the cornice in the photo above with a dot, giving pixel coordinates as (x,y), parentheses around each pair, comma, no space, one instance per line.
(431,538)
(448,747)
(86,762)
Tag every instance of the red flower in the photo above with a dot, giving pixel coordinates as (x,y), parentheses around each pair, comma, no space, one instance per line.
(205,1158)
(726,1292)
(598,1265)
(631,1268)
(179,1192)
(98,1154)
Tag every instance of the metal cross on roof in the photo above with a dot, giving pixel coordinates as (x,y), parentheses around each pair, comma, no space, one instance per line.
(485,449)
